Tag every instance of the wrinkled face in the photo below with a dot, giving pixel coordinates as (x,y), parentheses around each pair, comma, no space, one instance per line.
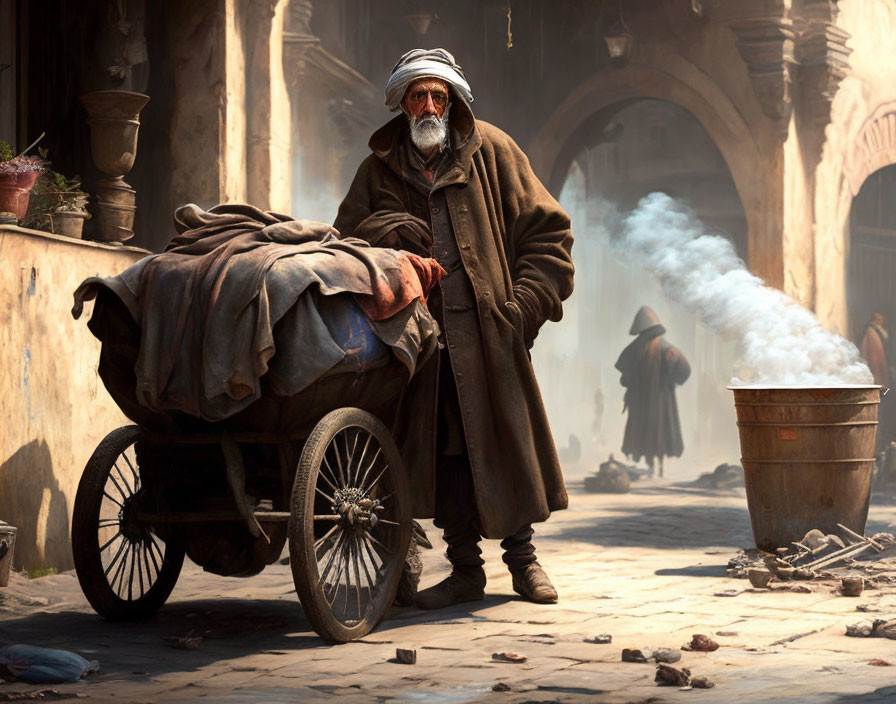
(426,97)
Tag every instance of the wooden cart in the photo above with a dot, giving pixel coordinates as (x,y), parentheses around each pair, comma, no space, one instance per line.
(228,495)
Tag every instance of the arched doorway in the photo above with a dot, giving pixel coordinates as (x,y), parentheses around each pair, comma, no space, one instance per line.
(615,158)
(871,277)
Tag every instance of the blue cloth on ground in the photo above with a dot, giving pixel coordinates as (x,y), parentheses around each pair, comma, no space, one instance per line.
(47,665)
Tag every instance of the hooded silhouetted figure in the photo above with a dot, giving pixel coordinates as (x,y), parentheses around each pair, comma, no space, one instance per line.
(651,368)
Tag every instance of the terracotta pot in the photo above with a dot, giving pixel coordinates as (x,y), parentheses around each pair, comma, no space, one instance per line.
(70,224)
(114,121)
(15,190)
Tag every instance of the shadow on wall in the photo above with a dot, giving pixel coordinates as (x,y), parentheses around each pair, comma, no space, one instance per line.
(32,501)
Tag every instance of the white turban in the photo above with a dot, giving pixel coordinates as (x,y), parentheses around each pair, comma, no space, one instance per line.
(425,63)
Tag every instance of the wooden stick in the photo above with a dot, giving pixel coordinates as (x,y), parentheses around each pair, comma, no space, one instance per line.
(823,562)
(877,546)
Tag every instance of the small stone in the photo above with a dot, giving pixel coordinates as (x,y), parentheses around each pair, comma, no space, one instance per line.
(852,586)
(601,639)
(702,683)
(633,655)
(405,657)
(500,687)
(701,643)
(666,655)
(668,676)
(509,657)
(724,634)
(799,589)
(759,578)
(880,663)
(727,592)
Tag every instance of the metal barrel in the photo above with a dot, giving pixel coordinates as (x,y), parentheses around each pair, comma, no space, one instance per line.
(807,457)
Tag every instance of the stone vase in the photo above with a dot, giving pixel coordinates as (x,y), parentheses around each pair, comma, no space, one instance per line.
(114,119)
(15,191)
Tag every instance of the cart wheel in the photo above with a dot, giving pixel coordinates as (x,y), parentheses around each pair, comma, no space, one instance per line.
(126,571)
(350,524)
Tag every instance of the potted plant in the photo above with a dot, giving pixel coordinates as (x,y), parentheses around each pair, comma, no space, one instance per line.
(17,177)
(63,205)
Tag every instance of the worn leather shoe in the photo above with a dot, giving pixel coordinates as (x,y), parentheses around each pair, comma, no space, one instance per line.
(531,583)
(455,589)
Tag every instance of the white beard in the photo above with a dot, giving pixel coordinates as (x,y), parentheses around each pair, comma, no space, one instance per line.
(430,132)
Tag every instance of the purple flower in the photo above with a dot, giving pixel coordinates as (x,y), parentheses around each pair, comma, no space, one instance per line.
(22,164)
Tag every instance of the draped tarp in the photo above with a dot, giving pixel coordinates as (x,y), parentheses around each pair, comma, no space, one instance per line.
(235,297)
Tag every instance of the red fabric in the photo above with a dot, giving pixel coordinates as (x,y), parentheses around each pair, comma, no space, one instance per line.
(416,277)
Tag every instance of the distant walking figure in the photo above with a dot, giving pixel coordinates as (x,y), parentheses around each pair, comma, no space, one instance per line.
(651,368)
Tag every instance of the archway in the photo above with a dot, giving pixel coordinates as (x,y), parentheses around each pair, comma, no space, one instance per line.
(871,276)
(616,157)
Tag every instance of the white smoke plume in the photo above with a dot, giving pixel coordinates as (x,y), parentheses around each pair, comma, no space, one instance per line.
(781,343)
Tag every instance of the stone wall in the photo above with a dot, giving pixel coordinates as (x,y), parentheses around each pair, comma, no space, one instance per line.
(54,407)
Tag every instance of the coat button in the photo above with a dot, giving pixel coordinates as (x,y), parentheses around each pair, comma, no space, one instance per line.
(435,209)
(465,245)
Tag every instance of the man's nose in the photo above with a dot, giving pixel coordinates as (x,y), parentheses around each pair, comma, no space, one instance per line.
(430,106)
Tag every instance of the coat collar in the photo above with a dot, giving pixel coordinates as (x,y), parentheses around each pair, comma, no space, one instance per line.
(392,139)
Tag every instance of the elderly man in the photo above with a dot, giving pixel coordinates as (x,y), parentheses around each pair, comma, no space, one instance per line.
(471,427)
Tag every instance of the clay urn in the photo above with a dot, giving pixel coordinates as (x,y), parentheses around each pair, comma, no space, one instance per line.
(113,116)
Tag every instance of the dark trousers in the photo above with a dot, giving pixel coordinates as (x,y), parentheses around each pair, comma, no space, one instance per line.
(455,512)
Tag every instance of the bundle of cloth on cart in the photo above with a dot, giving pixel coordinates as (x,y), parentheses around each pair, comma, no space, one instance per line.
(243,300)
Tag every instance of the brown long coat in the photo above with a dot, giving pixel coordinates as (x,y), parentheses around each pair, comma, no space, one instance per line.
(515,243)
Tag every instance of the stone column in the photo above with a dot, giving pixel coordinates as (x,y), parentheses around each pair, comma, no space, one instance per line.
(268,114)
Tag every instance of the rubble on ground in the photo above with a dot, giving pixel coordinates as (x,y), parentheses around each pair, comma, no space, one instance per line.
(861,561)
(614,477)
(701,643)
(879,628)
(669,676)
(725,476)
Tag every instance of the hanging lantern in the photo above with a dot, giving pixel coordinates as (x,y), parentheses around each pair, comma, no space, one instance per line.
(619,46)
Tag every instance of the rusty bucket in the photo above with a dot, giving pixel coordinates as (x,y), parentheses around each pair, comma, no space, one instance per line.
(807,458)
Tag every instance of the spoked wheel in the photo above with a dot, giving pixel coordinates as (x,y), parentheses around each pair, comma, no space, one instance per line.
(350,524)
(126,571)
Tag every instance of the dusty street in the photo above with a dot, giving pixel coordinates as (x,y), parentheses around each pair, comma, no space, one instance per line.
(647,567)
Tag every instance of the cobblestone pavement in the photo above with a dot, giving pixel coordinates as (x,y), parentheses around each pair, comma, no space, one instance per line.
(647,567)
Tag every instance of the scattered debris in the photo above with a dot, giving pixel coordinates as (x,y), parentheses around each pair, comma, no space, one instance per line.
(501,687)
(852,586)
(191,641)
(880,663)
(612,478)
(879,628)
(728,592)
(701,643)
(633,655)
(39,695)
(759,578)
(509,657)
(724,634)
(725,476)
(601,639)
(668,676)
(816,554)
(702,683)
(404,656)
